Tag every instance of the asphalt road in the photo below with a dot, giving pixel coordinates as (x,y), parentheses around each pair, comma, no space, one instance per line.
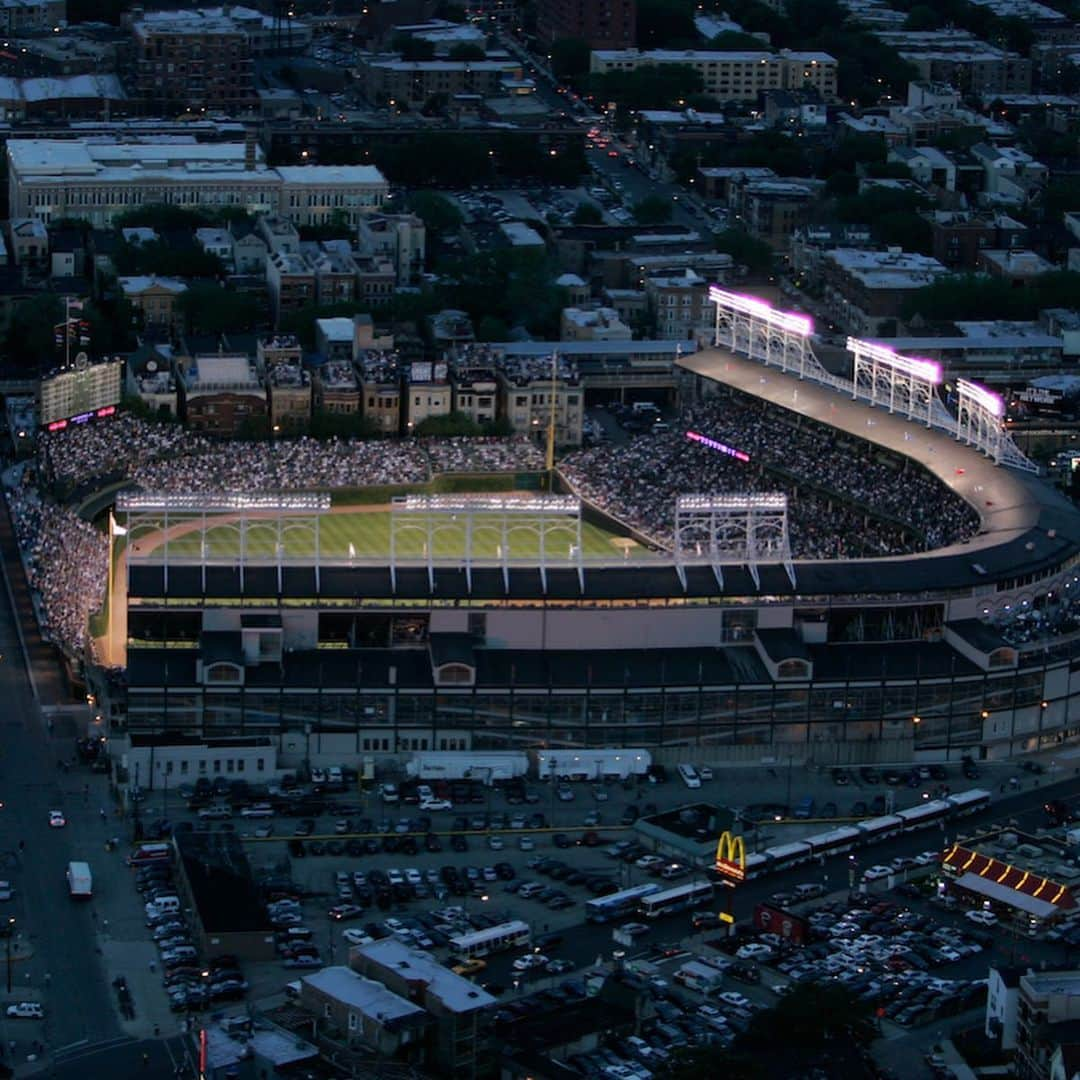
(64,968)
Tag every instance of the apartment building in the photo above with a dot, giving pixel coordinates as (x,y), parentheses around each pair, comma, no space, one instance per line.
(774,209)
(289,388)
(388,80)
(960,59)
(336,388)
(958,236)
(192,60)
(290,280)
(680,304)
(476,392)
(1046,1000)
(460,1043)
(220,394)
(21,16)
(401,238)
(604,24)
(732,76)
(154,299)
(380,384)
(98,179)
(427,392)
(526,384)
(865,291)
(593,324)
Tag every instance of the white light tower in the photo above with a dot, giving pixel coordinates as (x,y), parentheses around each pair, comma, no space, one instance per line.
(980,422)
(748,529)
(902,384)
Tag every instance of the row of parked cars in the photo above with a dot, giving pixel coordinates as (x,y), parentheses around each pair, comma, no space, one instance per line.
(883,952)
(189,983)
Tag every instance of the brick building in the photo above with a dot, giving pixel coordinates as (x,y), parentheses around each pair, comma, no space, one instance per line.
(604,24)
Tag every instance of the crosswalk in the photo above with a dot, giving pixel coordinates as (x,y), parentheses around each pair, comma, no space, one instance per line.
(84,1048)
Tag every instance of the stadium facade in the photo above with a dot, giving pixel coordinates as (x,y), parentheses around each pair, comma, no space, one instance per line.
(838,661)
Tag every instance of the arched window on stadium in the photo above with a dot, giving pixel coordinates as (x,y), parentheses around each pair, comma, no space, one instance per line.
(1003,658)
(455,675)
(793,669)
(223,672)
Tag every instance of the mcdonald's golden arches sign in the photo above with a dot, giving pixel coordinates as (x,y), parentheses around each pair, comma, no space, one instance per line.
(731,856)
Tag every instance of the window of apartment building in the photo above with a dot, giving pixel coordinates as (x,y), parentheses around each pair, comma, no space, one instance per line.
(260,765)
(229,765)
(217,765)
(183,768)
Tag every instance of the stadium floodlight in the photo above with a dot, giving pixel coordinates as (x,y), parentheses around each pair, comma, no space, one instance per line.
(240,502)
(767,500)
(987,399)
(904,365)
(759,309)
(487,504)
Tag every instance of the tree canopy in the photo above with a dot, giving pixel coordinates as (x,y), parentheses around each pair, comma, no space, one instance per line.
(978,296)
(570,58)
(652,210)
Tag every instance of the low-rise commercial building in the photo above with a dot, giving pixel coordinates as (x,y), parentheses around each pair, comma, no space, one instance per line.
(154,299)
(593,324)
(390,81)
(1046,999)
(290,398)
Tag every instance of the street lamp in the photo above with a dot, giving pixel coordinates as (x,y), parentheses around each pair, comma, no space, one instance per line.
(10,935)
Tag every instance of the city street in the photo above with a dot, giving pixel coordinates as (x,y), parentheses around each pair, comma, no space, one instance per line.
(62,966)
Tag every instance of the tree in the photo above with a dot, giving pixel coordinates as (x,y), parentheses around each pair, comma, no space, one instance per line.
(733,41)
(809,1018)
(652,210)
(31,341)
(467,50)
(455,423)
(490,328)
(651,86)
(587,213)
(746,250)
(570,58)
(710,1062)
(209,308)
(413,48)
(665,23)
(437,212)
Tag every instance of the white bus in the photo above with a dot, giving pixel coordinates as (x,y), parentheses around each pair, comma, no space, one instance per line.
(510,935)
(678,899)
(689,775)
(616,905)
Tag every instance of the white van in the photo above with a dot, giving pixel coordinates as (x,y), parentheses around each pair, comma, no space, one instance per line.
(163,905)
(529,889)
(689,775)
(259,810)
(809,891)
(389,793)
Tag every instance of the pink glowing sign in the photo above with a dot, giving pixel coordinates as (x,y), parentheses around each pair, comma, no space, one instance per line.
(759,309)
(723,448)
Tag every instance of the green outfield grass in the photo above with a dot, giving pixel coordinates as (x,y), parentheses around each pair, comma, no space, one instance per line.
(366,535)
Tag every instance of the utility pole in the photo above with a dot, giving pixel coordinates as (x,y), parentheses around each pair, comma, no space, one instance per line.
(550,457)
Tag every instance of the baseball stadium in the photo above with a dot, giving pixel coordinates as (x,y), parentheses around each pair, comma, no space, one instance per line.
(848,569)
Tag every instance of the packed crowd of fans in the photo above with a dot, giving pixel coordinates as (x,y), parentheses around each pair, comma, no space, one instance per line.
(844,502)
(166,457)
(67,565)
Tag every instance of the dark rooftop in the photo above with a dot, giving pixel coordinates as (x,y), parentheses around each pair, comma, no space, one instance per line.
(225,894)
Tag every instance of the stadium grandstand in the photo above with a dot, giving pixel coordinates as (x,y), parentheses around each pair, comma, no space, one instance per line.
(851,570)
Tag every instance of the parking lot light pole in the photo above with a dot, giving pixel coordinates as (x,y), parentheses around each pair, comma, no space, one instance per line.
(10,935)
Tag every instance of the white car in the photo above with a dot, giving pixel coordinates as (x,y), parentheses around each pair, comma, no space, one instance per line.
(647,861)
(927,858)
(436,804)
(984,918)
(495,843)
(413,877)
(57,819)
(395,877)
(530,960)
(753,950)
(876,873)
(705,772)
(26,1010)
(735,1000)
(357,937)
